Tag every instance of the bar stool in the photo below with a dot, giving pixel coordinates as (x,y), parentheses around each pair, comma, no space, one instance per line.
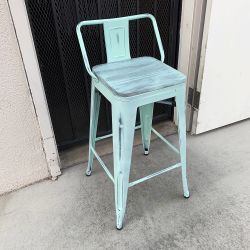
(129,84)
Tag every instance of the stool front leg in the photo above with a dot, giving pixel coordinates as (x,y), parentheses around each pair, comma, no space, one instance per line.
(123,123)
(181,107)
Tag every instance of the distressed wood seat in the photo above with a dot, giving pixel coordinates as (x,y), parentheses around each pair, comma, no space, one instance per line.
(137,76)
(131,84)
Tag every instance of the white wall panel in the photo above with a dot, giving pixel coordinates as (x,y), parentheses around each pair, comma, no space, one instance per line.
(225,78)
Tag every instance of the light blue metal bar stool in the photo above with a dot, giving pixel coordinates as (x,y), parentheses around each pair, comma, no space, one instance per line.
(129,84)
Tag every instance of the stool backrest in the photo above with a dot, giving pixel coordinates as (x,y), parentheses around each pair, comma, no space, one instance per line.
(116,32)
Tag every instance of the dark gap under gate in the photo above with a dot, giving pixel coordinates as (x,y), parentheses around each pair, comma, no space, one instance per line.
(66,82)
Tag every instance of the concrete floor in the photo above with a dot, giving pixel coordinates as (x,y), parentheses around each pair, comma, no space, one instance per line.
(77,212)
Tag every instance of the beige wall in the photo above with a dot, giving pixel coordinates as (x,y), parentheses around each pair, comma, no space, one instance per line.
(22,159)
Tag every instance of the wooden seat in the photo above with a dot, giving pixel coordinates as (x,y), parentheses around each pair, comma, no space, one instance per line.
(137,76)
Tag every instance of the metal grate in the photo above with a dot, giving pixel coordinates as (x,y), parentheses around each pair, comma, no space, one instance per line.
(66,82)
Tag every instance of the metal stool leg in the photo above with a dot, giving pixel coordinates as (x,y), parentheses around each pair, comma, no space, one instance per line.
(94,113)
(180,104)
(146,115)
(123,122)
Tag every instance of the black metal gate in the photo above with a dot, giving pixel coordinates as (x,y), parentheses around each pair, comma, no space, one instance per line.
(66,82)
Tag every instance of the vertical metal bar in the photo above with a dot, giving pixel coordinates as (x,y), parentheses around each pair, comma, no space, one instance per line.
(155,15)
(100,29)
(178,32)
(85,76)
(173,32)
(59,42)
(77,10)
(119,8)
(137,30)
(107,108)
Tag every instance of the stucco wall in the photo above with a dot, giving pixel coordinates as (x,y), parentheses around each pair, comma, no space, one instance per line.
(22,159)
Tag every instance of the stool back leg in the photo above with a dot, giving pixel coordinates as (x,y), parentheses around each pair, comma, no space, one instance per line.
(146,115)
(123,123)
(180,105)
(94,114)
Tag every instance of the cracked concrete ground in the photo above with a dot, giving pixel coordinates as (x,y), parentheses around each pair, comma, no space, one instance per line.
(77,212)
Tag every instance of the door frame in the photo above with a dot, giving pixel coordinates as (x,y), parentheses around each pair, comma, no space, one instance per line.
(28,53)
(202,56)
(194,22)
(27,49)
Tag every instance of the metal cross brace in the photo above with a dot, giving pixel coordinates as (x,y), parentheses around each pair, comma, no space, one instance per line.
(143,178)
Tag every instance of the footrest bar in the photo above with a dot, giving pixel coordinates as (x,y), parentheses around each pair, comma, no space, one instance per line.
(110,135)
(103,165)
(153,175)
(166,141)
(103,137)
(172,103)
